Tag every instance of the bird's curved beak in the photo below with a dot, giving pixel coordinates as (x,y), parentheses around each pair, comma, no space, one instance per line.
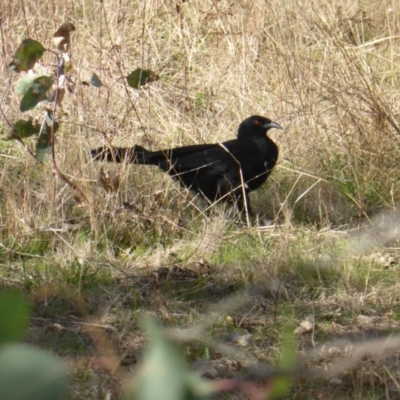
(272,124)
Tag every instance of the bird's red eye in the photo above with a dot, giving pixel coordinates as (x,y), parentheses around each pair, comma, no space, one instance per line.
(257,122)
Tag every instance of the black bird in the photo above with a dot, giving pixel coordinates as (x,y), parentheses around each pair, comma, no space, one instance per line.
(220,171)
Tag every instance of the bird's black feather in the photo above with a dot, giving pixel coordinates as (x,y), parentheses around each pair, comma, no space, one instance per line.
(222,171)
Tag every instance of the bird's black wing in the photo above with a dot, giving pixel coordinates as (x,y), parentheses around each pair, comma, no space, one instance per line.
(180,159)
(225,170)
(209,168)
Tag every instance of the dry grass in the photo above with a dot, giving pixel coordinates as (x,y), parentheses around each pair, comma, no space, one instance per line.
(327,73)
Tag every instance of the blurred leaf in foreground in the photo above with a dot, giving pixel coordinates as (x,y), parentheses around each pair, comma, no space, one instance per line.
(281,385)
(141,77)
(27,54)
(28,373)
(14,314)
(165,373)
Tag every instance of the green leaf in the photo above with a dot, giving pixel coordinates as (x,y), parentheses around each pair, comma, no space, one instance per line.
(43,145)
(50,121)
(140,77)
(36,93)
(25,129)
(95,81)
(14,313)
(23,84)
(27,54)
(27,373)
(22,129)
(165,373)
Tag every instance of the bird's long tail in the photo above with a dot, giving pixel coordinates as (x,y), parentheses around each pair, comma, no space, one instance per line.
(136,154)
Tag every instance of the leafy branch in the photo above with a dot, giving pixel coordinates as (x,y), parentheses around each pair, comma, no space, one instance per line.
(41,89)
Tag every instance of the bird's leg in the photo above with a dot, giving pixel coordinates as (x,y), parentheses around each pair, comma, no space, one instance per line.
(243,205)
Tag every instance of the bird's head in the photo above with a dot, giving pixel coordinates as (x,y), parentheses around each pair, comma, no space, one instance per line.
(256,125)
